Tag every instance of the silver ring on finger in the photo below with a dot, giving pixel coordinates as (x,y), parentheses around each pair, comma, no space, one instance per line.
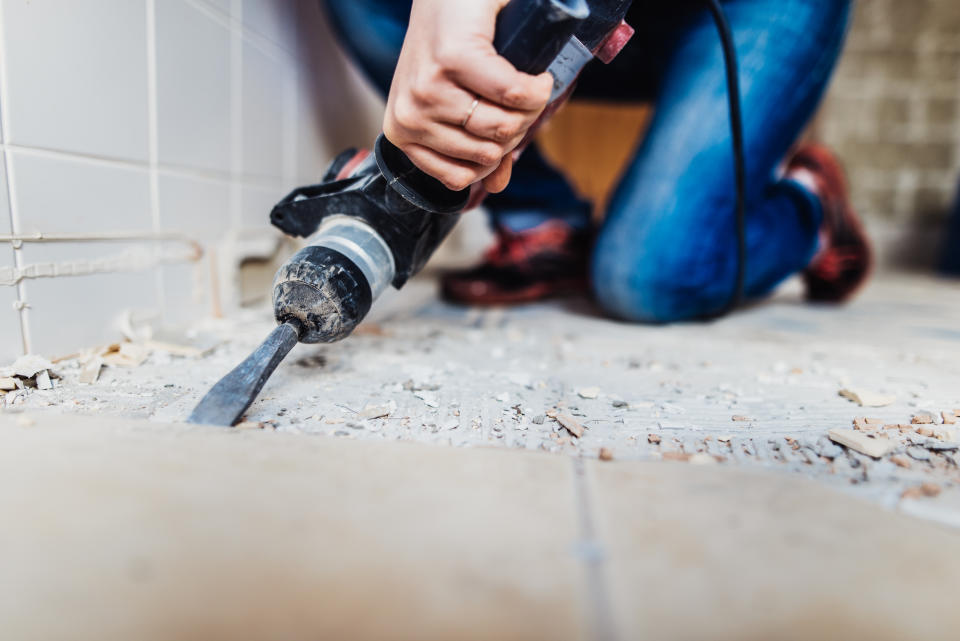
(473,108)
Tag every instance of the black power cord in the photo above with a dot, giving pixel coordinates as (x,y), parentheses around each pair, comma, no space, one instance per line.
(739,156)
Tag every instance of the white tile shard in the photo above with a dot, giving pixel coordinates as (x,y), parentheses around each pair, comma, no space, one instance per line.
(861,442)
(867,398)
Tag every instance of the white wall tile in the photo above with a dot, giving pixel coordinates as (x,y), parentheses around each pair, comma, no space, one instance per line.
(195,205)
(77,76)
(199,207)
(336,108)
(4,200)
(222,5)
(62,194)
(256,204)
(273,19)
(187,293)
(193,87)
(10,339)
(67,195)
(11,345)
(262,111)
(70,313)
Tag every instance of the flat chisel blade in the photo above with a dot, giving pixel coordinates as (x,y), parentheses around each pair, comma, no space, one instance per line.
(227,401)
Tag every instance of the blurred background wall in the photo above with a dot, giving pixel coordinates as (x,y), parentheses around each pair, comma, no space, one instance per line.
(193,117)
(153,116)
(893,114)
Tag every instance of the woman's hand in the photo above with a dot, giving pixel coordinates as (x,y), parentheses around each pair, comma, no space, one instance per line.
(447,62)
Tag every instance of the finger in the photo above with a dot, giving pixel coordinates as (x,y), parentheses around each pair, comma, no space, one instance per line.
(500,178)
(503,126)
(489,121)
(458,143)
(453,173)
(495,79)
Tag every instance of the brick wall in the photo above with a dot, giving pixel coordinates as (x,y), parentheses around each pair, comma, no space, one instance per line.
(893,113)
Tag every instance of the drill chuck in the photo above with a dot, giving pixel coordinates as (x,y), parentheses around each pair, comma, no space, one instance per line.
(330,285)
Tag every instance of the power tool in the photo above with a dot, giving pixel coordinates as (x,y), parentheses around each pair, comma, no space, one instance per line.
(375,219)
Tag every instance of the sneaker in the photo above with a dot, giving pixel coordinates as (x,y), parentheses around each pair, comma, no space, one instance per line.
(845,258)
(548,260)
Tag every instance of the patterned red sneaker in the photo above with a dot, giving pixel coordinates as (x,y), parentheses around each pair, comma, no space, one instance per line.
(545,261)
(845,258)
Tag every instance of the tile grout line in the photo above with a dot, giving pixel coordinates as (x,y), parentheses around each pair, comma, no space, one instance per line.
(182,171)
(21,304)
(153,140)
(236,110)
(590,552)
(274,50)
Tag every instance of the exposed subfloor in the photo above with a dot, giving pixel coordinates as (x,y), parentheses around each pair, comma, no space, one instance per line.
(759,388)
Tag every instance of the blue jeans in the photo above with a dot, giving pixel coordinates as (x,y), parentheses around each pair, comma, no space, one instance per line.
(667,248)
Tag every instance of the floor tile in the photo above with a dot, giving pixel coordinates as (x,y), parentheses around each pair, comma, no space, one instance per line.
(149,531)
(709,553)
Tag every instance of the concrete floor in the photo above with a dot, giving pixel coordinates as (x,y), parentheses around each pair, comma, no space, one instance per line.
(118,529)
(468,377)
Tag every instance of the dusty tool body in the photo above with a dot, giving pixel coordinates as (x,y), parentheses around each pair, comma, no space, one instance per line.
(375,218)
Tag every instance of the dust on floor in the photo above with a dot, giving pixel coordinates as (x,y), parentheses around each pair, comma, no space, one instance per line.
(760,388)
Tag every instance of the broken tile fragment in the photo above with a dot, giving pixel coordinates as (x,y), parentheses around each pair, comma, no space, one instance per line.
(918,453)
(378,411)
(947,433)
(605,454)
(737,418)
(429,398)
(91,370)
(901,461)
(860,442)
(126,355)
(702,459)
(43,380)
(676,456)
(867,398)
(27,366)
(863,425)
(949,418)
(8,383)
(589,392)
(922,419)
(925,490)
(653,439)
(570,424)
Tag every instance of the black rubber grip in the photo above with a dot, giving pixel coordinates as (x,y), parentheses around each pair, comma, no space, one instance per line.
(324,291)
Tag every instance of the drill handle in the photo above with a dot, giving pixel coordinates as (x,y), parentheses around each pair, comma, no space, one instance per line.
(529,34)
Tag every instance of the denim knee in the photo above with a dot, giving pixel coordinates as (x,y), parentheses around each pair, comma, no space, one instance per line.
(653,282)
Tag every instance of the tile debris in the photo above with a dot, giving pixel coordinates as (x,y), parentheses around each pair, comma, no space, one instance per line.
(860,442)
(378,411)
(570,424)
(867,398)
(925,490)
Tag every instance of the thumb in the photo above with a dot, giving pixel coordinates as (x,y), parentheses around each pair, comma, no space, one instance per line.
(500,178)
